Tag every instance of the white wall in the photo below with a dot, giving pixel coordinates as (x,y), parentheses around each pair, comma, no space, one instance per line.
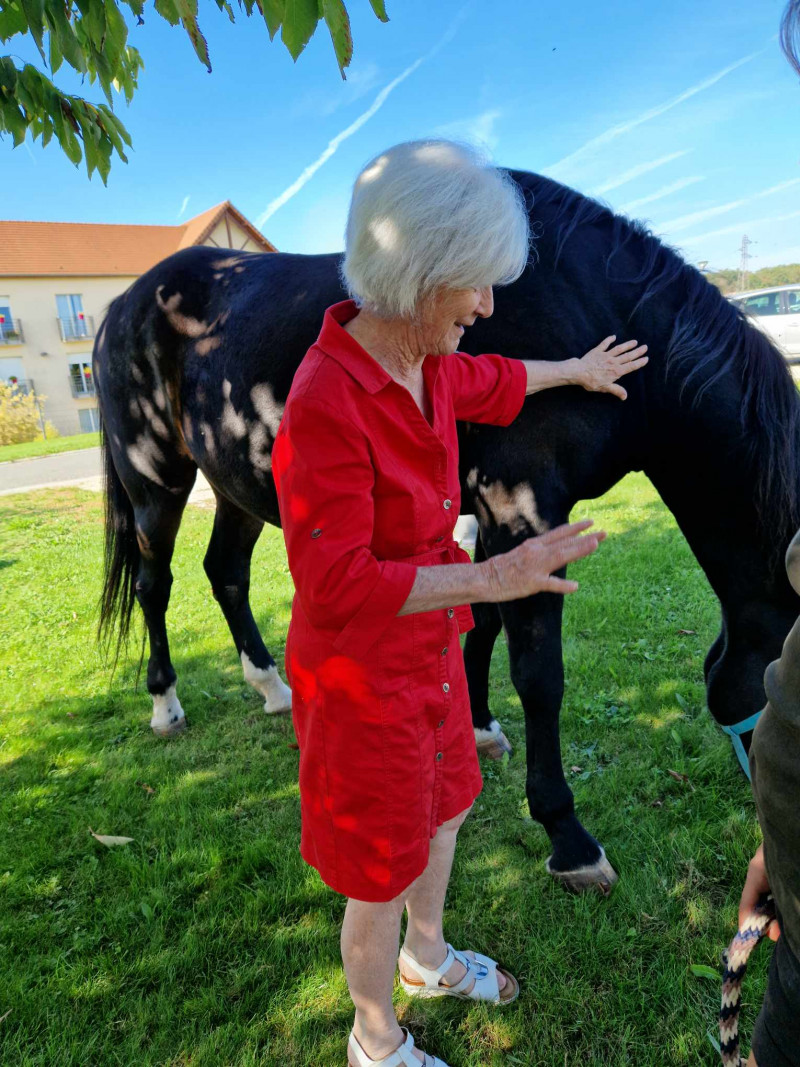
(33,302)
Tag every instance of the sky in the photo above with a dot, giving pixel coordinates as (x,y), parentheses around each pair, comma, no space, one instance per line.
(683,114)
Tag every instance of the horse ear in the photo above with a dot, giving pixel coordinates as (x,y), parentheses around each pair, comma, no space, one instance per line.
(793,562)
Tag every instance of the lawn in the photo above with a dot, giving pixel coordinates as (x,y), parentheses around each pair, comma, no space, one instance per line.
(49,448)
(206,941)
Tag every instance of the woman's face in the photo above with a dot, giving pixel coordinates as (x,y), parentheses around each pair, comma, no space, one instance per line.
(448,313)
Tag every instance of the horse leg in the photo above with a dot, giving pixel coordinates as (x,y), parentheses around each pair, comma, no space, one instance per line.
(489,737)
(227,564)
(537,671)
(157,520)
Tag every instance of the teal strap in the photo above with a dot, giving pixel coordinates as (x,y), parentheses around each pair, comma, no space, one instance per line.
(735,734)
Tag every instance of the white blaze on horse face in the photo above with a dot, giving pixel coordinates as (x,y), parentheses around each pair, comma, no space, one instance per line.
(266,681)
(168,714)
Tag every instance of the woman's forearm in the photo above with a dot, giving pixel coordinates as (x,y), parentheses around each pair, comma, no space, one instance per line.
(446,586)
(544,375)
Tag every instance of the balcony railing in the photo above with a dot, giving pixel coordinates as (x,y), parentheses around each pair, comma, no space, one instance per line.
(11,332)
(76,329)
(22,385)
(81,381)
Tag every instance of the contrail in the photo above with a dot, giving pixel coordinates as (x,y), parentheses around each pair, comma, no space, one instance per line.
(625,127)
(659,194)
(354,127)
(740,227)
(183,206)
(636,172)
(700,216)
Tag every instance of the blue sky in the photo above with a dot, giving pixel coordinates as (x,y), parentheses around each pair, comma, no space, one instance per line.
(681,113)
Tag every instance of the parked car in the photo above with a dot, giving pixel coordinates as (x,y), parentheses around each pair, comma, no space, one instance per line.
(776,311)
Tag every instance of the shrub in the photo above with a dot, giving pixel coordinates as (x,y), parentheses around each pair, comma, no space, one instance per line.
(19,416)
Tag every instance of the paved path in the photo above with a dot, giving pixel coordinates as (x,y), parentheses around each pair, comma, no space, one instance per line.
(81,469)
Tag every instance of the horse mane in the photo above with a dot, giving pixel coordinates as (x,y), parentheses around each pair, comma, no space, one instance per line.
(790,33)
(711,340)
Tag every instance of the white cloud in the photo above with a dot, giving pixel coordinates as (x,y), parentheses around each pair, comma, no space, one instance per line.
(684,221)
(636,172)
(355,126)
(625,127)
(659,194)
(478,128)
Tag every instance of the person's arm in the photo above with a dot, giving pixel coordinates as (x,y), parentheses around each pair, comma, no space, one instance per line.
(525,570)
(597,371)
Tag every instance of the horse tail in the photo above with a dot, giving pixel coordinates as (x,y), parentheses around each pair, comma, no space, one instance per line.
(121,547)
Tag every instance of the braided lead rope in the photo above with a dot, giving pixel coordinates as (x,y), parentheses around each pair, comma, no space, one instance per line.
(734,961)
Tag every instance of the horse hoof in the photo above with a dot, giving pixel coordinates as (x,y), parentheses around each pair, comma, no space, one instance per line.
(171,729)
(599,876)
(492,743)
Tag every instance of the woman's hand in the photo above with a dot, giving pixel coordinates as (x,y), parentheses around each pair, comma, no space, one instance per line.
(599,369)
(528,568)
(755,884)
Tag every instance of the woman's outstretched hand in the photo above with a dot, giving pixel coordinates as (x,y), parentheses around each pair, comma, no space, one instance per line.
(755,884)
(528,568)
(600,368)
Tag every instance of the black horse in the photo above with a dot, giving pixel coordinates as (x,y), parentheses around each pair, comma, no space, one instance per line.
(194,362)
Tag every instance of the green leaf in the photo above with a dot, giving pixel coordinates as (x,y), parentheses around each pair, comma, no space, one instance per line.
(272,10)
(300,18)
(56,58)
(34,13)
(713,1041)
(701,970)
(13,120)
(379,7)
(188,13)
(12,21)
(335,15)
(168,9)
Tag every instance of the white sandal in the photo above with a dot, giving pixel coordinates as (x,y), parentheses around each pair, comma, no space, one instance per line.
(482,969)
(401,1057)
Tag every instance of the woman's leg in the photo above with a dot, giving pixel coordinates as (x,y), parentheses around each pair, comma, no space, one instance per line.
(751,1062)
(370,941)
(425,904)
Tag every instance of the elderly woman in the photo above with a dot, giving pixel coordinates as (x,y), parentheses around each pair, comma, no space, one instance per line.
(366,465)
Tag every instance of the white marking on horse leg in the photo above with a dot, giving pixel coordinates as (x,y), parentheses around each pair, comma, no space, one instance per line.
(266,681)
(168,717)
(492,742)
(599,876)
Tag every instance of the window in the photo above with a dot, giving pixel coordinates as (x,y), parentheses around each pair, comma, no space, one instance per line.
(80,376)
(89,420)
(762,304)
(71,317)
(793,301)
(9,329)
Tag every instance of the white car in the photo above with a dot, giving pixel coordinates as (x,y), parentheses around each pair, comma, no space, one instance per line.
(776,311)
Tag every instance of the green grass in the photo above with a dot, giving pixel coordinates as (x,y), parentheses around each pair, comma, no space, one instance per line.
(48,448)
(207,941)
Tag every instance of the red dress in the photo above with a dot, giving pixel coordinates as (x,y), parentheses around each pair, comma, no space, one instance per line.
(368,491)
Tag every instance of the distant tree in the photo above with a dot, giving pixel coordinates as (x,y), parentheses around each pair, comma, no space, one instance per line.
(727,281)
(91,36)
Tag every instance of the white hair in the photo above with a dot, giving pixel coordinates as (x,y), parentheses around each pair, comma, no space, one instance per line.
(427,215)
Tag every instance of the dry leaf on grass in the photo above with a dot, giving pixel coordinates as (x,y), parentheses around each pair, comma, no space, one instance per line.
(688,633)
(680,777)
(147,788)
(2,1017)
(110,841)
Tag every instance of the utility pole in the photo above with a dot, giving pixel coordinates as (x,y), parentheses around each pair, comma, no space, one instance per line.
(744,255)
